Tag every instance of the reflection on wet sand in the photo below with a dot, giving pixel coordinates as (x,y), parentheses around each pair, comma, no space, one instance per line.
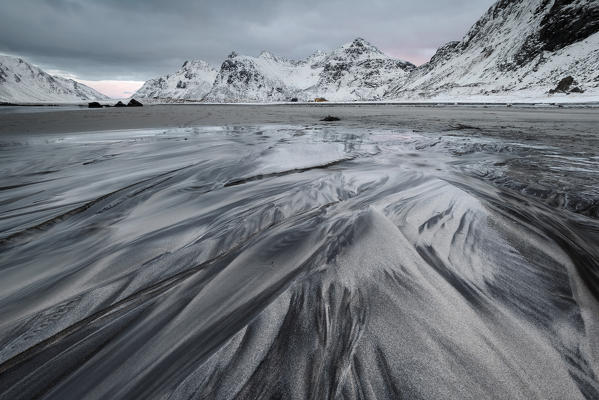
(297,262)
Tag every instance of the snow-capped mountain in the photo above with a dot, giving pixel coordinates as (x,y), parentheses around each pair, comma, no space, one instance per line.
(192,81)
(355,71)
(519,47)
(265,78)
(359,71)
(21,82)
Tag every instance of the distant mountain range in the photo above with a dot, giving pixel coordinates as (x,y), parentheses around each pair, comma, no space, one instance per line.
(518,49)
(21,82)
(355,71)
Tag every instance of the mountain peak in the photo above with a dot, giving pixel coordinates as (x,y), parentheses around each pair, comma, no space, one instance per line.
(267,55)
(192,81)
(360,42)
(359,48)
(196,64)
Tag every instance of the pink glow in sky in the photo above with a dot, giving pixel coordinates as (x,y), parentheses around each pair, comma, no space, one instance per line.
(416,57)
(114,89)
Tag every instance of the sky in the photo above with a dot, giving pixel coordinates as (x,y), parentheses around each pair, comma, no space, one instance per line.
(115,45)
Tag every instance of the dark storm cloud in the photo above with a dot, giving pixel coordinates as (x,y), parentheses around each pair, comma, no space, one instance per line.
(138,39)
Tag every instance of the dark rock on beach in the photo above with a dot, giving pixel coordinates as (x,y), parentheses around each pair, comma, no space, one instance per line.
(134,103)
(94,104)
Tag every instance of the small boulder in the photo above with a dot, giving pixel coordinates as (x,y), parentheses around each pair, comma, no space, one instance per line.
(330,118)
(134,103)
(294,100)
(120,104)
(94,104)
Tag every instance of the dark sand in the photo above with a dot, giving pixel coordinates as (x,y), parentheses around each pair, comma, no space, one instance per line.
(493,119)
(402,252)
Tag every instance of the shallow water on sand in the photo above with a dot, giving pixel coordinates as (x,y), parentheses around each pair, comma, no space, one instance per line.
(6,110)
(298,262)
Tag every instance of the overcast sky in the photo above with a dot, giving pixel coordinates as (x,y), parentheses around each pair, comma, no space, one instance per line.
(134,40)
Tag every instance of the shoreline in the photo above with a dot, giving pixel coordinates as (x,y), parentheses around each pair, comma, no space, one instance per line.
(540,103)
(491,119)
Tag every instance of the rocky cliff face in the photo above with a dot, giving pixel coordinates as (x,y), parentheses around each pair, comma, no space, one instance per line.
(518,46)
(21,82)
(192,81)
(261,79)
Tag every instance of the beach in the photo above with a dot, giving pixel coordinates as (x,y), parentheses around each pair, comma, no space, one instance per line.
(244,251)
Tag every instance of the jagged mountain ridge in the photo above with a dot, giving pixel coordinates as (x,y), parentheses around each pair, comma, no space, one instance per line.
(21,82)
(193,81)
(355,71)
(518,46)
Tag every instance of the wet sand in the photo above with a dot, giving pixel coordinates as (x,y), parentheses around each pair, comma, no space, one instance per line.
(242,252)
(493,119)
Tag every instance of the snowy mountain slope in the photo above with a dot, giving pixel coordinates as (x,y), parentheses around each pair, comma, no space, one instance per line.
(518,47)
(263,79)
(21,82)
(355,71)
(359,71)
(192,81)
